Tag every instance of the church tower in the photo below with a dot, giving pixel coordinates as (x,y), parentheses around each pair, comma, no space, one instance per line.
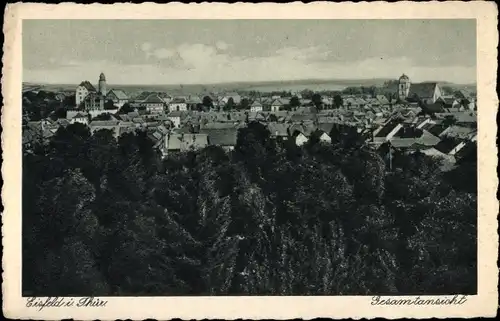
(102,84)
(403,87)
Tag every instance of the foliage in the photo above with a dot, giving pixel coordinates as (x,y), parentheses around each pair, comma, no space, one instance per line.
(103,116)
(125,109)
(109,104)
(316,100)
(294,102)
(230,105)
(338,101)
(106,217)
(207,102)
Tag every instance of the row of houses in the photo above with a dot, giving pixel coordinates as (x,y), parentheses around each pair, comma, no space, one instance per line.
(435,137)
(405,132)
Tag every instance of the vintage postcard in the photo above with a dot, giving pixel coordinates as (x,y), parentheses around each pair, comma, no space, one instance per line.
(249,161)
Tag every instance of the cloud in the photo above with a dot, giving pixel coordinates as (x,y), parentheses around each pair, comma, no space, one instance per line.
(200,63)
(197,55)
(305,54)
(163,53)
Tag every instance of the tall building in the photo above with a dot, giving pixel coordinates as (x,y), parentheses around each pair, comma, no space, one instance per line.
(91,98)
(102,84)
(403,87)
(82,91)
(426,92)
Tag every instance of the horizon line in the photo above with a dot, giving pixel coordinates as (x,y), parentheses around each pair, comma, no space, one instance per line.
(255,82)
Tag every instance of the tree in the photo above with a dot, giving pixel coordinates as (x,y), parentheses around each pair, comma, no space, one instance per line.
(125,109)
(106,216)
(230,105)
(207,102)
(338,101)
(272,118)
(60,112)
(103,116)
(69,102)
(294,102)
(244,104)
(307,94)
(109,104)
(317,100)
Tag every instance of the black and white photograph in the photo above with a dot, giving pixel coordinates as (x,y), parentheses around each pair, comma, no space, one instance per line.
(237,157)
(244,157)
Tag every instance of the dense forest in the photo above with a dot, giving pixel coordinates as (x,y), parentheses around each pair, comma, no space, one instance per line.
(109,217)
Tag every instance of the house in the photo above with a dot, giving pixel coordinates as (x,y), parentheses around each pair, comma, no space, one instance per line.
(424,141)
(184,142)
(326,127)
(77,117)
(153,104)
(60,97)
(302,117)
(387,131)
(87,94)
(277,105)
(62,122)
(225,138)
(464,118)
(427,92)
(34,132)
(301,132)
(278,130)
(112,125)
(178,104)
(322,136)
(450,146)
(165,97)
(382,100)
(305,102)
(93,101)
(327,102)
(460,94)
(236,98)
(118,97)
(449,102)
(460,132)
(82,91)
(256,107)
(300,139)
(467,103)
(175,118)
(325,138)
(138,122)
(192,102)
(435,129)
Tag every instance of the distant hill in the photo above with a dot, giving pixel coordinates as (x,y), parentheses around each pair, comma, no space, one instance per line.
(264,86)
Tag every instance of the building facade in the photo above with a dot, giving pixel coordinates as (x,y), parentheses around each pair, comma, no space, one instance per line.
(118,97)
(403,87)
(426,92)
(89,97)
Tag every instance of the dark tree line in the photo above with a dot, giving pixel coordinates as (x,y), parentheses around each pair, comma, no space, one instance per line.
(43,104)
(106,217)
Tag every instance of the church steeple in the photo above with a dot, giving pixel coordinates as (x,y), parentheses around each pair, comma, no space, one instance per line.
(102,84)
(403,87)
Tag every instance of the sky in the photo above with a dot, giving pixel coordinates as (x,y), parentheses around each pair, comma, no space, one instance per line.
(220,51)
